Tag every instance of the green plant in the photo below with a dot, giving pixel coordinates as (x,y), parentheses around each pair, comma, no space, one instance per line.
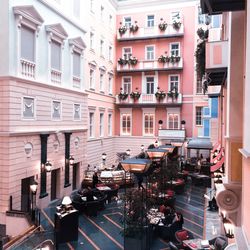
(160,94)
(174,59)
(122,96)
(122,61)
(176,24)
(132,60)
(134,27)
(162,25)
(135,94)
(173,93)
(163,59)
(122,29)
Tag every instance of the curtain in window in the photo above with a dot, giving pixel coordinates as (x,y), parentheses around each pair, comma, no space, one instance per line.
(27,44)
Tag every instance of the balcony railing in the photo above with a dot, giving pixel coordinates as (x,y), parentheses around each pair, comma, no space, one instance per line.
(150,99)
(216,54)
(27,68)
(151,32)
(56,76)
(168,134)
(145,65)
(76,82)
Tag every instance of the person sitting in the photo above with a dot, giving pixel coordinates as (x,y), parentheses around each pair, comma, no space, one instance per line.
(89,194)
(95,180)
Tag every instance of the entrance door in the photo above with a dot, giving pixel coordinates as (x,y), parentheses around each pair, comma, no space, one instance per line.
(53,185)
(25,194)
(76,176)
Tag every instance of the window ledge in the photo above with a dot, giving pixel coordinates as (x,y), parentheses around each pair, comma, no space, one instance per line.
(91,89)
(245,153)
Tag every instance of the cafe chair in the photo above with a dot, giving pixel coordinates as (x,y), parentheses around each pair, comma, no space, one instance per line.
(180,236)
(219,243)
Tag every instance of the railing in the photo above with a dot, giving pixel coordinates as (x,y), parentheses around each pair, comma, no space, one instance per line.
(150,99)
(76,82)
(145,65)
(27,68)
(56,76)
(216,54)
(172,134)
(151,32)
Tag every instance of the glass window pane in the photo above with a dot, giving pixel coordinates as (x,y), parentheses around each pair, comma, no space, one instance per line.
(76,64)
(55,55)
(27,44)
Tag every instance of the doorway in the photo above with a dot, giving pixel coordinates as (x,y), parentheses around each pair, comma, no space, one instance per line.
(25,194)
(76,176)
(55,175)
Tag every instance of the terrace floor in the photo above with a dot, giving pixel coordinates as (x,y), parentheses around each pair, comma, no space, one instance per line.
(103,231)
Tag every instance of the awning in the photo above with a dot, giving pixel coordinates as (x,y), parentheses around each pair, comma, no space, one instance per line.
(200,143)
(217,146)
(218,157)
(217,166)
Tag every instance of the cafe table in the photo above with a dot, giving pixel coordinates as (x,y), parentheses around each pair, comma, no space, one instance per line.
(197,244)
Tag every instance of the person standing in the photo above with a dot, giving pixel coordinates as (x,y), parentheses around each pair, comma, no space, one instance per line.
(95,179)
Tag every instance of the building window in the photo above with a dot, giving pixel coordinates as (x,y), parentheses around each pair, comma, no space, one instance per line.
(101,124)
(126,124)
(102,11)
(77,112)
(76,64)
(174,83)
(216,21)
(173,121)
(198,116)
(110,53)
(91,124)
(101,82)
(76,8)
(92,6)
(150,52)
(91,40)
(56,110)
(27,44)
(199,88)
(175,16)
(150,21)
(150,85)
(110,87)
(28,107)
(175,49)
(148,124)
(110,124)
(92,79)
(55,55)
(201,17)
(101,47)
(127,53)
(127,82)
(127,21)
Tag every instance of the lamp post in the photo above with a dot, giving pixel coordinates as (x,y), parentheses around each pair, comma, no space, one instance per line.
(33,189)
(104,156)
(142,148)
(128,152)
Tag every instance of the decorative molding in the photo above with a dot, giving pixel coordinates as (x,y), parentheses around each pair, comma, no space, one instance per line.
(93,64)
(56,32)
(77,44)
(103,68)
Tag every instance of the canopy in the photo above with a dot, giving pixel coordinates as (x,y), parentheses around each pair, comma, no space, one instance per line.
(200,143)
(136,165)
(218,157)
(218,165)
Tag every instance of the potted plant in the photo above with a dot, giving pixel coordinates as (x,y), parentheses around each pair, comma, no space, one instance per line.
(176,24)
(162,25)
(163,59)
(134,27)
(160,94)
(132,60)
(122,96)
(173,93)
(122,61)
(122,29)
(135,94)
(174,59)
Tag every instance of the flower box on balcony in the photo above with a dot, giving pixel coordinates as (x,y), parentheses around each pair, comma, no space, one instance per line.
(160,94)
(122,29)
(173,93)
(163,59)
(122,95)
(174,59)
(162,25)
(135,95)
(134,27)
(132,60)
(176,24)
(122,61)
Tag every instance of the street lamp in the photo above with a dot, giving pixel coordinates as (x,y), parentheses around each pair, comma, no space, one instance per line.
(48,166)
(156,144)
(142,148)
(71,160)
(33,189)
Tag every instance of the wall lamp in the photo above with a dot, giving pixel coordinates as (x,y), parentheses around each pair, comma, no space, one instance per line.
(229,228)
(71,160)
(128,152)
(48,166)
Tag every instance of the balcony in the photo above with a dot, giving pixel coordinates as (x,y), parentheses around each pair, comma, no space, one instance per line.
(150,99)
(144,33)
(145,65)
(216,62)
(172,134)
